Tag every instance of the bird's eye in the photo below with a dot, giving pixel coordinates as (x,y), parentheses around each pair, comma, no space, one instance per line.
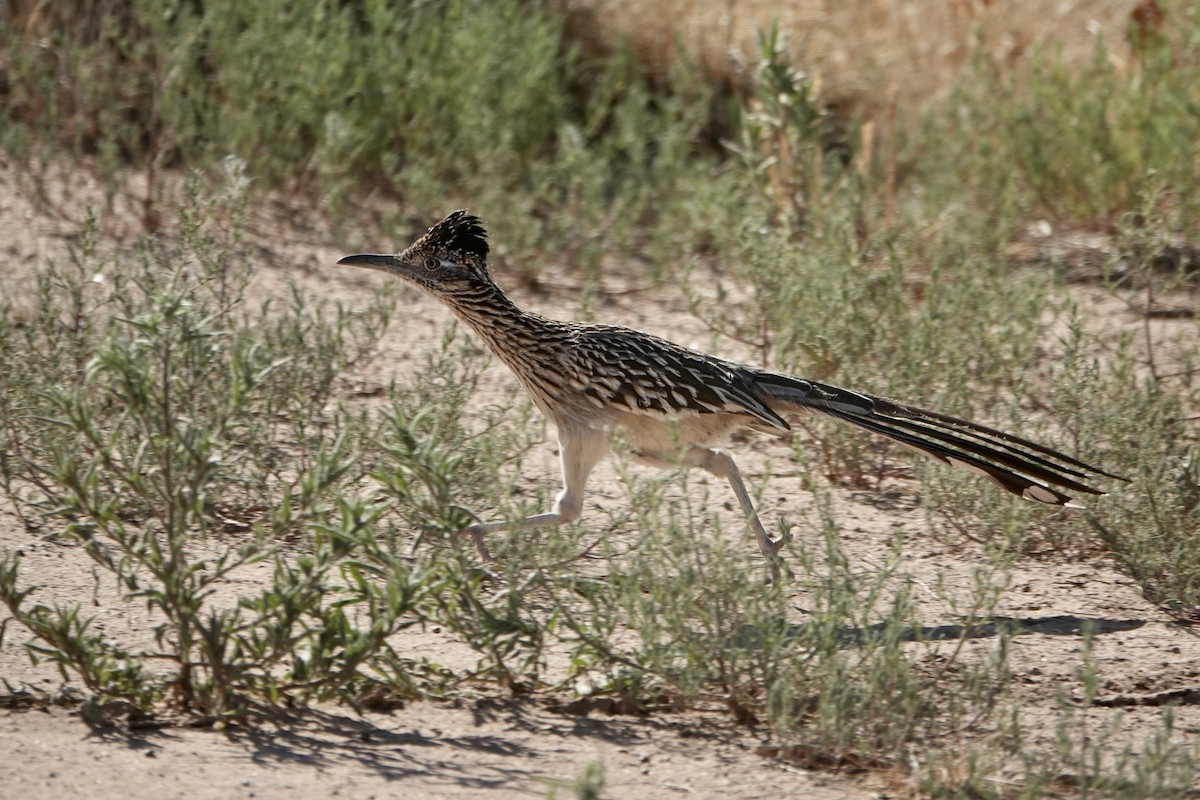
(431,263)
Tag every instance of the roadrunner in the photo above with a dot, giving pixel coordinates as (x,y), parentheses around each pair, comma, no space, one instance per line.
(675,404)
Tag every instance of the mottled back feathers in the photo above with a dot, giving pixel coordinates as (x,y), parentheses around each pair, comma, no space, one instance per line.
(647,375)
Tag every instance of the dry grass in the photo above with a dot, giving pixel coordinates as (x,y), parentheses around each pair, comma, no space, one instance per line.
(83,19)
(866,54)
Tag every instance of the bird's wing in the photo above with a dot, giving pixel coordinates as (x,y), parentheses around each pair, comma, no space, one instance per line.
(654,377)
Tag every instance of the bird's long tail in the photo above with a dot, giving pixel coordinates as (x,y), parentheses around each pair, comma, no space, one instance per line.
(1025,468)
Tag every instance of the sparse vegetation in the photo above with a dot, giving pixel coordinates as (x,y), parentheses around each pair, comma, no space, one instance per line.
(155,414)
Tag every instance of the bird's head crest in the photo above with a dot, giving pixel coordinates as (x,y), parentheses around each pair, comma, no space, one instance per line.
(460,236)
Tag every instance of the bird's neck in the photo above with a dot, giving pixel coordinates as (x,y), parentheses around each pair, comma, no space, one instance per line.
(500,322)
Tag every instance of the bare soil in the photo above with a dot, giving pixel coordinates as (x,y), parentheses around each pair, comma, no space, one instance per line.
(508,748)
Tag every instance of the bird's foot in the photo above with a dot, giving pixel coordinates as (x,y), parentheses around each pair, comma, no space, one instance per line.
(476,533)
(785,538)
(780,571)
(770,550)
(770,547)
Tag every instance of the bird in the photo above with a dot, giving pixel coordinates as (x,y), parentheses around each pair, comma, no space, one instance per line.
(674,405)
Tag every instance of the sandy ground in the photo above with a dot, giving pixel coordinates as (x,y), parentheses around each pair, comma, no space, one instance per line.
(505,748)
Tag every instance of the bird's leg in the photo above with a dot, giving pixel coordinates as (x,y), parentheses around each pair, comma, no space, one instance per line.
(720,464)
(579,450)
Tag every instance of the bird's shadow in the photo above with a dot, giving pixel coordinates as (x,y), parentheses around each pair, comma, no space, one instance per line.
(1057,625)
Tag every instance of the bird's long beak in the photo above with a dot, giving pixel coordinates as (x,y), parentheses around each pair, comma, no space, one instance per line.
(383,263)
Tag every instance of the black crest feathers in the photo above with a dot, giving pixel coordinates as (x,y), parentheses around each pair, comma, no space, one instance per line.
(459,232)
